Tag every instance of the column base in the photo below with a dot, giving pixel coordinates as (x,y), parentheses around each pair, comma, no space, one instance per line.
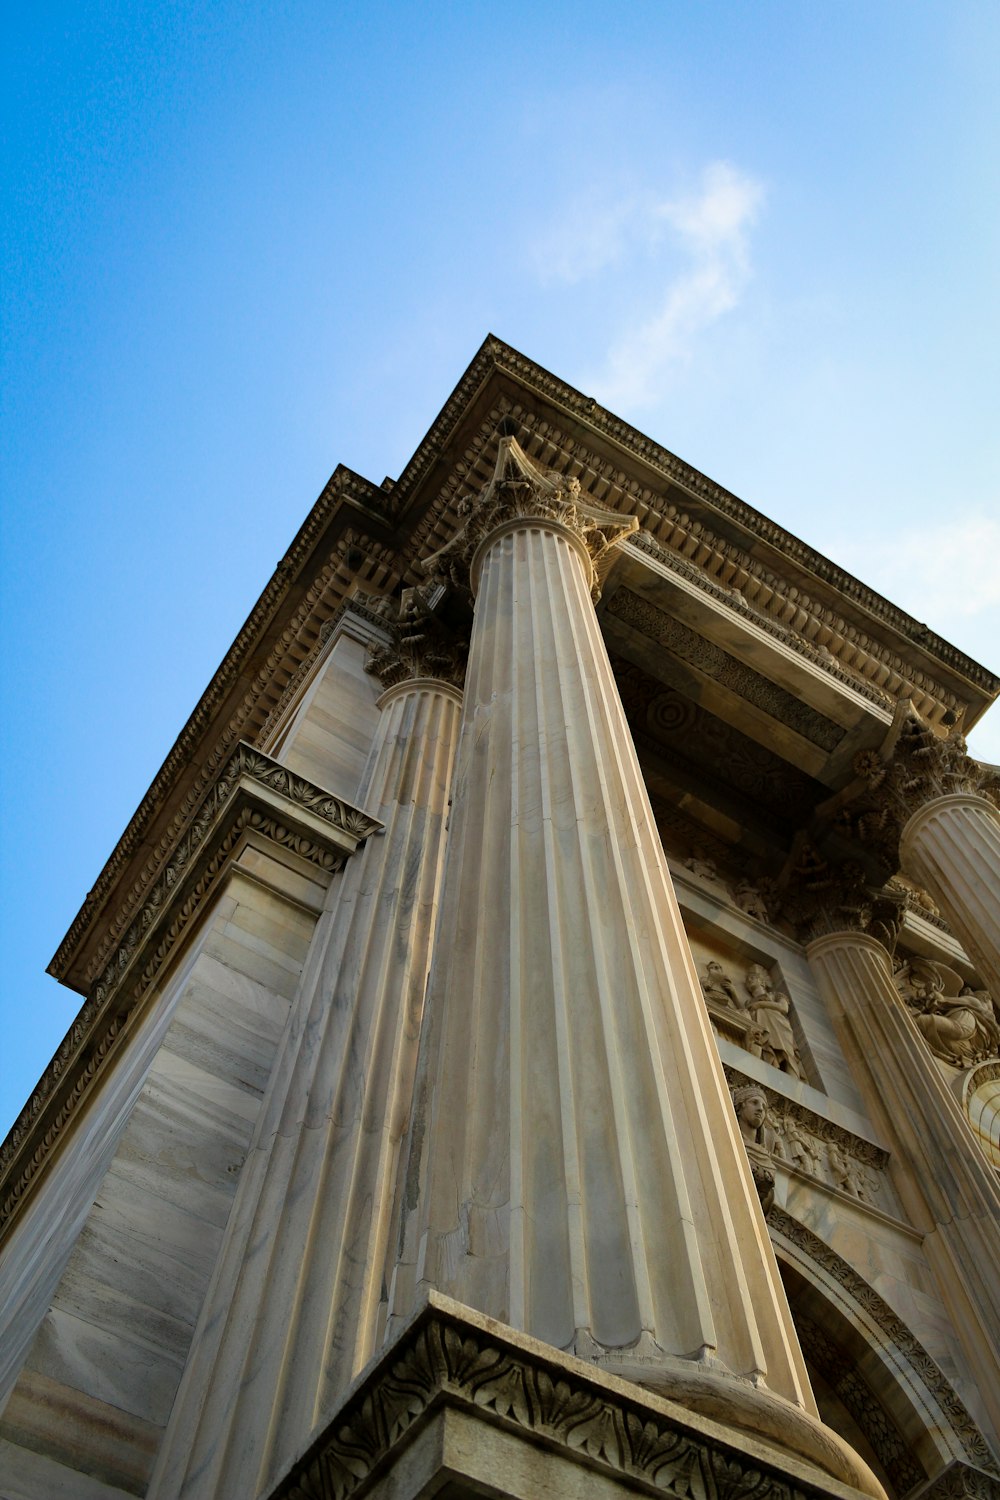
(461,1405)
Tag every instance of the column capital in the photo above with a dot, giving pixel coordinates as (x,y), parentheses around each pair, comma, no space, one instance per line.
(420,646)
(913,769)
(520,492)
(825,896)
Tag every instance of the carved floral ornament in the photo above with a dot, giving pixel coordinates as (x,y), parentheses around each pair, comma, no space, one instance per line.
(913,767)
(420,645)
(520,490)
(606,1429)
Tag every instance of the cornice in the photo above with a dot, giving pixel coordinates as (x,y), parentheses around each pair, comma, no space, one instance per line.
(386,529)
(253,795)
(636,444)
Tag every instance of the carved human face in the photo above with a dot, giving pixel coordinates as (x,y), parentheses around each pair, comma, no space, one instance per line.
(753,1109)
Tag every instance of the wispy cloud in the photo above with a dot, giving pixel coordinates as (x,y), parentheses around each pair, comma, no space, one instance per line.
(708,230)
(713,228)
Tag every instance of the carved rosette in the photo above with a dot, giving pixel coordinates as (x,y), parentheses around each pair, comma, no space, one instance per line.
(520,491)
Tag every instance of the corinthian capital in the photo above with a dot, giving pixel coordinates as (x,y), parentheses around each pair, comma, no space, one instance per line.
(519,490)
(922,765)
(420,644)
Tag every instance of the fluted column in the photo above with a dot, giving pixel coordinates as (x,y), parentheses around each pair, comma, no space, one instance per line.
(951,846)
(947,1189)
(291,1316)
(574,1167)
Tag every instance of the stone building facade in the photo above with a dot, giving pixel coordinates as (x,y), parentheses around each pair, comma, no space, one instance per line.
(538,1031)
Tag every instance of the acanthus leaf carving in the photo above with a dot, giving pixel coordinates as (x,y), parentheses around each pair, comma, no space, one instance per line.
(520,490)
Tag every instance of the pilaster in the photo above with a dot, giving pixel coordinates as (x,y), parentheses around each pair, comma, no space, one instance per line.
(291,1316)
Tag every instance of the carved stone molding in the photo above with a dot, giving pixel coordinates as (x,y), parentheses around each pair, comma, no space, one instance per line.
(714,662)
(253,795)
(896,1335)
(520,490)
(420,645)
(734,599)
(959,1482)
(250,719)
(450,1358)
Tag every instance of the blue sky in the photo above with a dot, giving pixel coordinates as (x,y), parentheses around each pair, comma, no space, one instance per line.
(246,242)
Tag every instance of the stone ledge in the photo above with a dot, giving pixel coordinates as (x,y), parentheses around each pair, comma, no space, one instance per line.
(461,1398)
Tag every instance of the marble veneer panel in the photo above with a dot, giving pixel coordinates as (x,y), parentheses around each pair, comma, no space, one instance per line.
(330,731)
(87,1411)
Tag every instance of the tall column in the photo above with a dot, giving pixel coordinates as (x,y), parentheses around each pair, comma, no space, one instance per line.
(934,812)
(951,846)
(291,1316)
(948,1190)
(574,1167)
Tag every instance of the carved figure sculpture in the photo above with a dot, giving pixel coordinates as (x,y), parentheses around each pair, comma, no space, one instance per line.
(846,1174)
(749,899)
(750,1104)
(718,988)
(957,1023)
(771,1011)
(802,1149)
(699,864)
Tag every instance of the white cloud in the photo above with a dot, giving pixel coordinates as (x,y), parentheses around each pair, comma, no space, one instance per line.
(713,227)
(709,229)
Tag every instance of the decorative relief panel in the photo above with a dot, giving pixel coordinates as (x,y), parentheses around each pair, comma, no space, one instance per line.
(778,1129)
(959,1024)
(693,649)
(753,1013)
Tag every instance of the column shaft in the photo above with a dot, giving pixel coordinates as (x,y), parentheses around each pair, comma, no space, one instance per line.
(291,1316)
(951,846)
(948,1190)
(575,1169)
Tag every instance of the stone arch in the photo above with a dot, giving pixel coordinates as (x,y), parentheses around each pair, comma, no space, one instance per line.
(875,1382)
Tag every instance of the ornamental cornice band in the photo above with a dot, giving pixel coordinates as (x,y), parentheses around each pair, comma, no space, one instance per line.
(253,795)
(447,1357)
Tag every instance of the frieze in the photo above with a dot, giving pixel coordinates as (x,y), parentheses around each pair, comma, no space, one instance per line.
(732,596)
(714,662)
(797,1137)
(253,795)
(442,1357)
(903,1342)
